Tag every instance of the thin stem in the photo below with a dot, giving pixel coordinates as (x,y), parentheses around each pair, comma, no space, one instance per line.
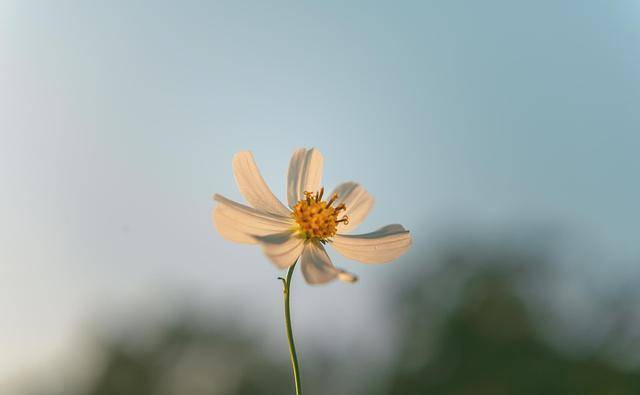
(287,318)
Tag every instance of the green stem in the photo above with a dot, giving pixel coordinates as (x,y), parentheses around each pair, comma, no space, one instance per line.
(287,318)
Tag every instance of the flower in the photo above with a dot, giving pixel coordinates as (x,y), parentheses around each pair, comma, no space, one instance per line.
(302,230)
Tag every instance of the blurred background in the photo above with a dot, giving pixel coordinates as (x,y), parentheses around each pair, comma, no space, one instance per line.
(505,135)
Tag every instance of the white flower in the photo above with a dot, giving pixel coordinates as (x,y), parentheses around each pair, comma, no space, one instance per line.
(309,223)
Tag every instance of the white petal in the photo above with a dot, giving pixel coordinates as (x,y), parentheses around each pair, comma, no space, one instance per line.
(253,187)
(317,268)
(283,249)
(240,223)
(305,174)
(383,245)
(358,203)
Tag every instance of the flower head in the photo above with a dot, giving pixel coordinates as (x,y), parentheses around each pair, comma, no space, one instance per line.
(301,230)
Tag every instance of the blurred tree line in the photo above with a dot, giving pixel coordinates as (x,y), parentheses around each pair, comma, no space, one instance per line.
(465,328)
(487,342)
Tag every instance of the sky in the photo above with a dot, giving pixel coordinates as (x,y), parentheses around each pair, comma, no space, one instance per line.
(118,121)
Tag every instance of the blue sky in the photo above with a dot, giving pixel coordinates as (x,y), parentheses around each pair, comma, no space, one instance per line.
(119,121)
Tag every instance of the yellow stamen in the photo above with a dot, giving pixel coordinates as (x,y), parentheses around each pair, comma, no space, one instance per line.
(333,199)
(319,194)
(317,219)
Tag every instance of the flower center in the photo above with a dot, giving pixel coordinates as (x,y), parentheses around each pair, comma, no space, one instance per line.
(316,218)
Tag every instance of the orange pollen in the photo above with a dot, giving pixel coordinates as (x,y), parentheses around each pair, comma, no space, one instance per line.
(318,219)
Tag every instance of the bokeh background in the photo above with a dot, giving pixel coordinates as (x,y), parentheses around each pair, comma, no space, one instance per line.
(504,134)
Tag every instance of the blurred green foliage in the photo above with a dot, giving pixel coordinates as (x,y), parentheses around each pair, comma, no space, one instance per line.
(465,328)
(190,358)
(488,343)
